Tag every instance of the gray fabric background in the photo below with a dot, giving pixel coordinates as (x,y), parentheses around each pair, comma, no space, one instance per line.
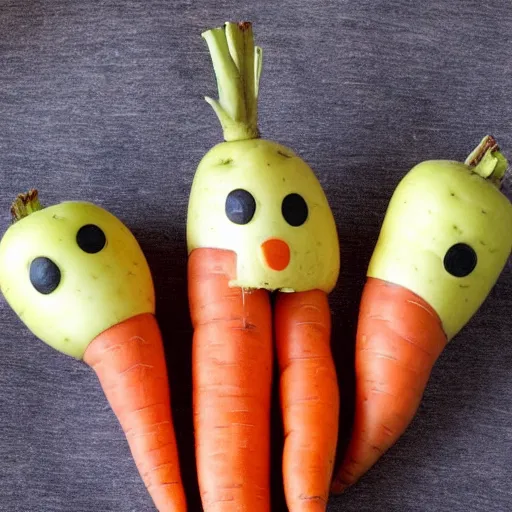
(102,101)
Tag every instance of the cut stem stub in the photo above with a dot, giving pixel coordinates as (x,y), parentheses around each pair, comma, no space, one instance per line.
(237,64)
(487,160)
(25,204)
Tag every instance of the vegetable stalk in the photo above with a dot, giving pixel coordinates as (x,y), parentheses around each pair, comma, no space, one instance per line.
(237,64)
(488,161)
(25,204)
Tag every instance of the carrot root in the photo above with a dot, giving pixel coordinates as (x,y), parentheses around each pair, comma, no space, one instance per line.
(130,364)
(399,338)
(232,372)
(309,398)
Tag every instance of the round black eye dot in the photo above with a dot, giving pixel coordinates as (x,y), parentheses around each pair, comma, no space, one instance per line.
(91,239)
(44,275)
(460,260)
(240,206)
(294,209)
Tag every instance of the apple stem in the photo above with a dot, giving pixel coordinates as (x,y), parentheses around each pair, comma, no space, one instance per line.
(25,204)
(487,161)
(237,64)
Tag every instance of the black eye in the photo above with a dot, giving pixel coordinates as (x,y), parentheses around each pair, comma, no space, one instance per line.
(91,239)
(460,260)
(294,210)
(240,206)
(44,275)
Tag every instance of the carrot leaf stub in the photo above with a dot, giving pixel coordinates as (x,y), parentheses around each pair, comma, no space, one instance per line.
(487,161)
(25,204)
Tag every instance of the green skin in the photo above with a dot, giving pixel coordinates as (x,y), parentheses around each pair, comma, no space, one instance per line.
(266,169)
(96,292)
(438,204)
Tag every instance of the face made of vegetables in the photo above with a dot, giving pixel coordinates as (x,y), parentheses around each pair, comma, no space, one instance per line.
(446,236)
(261,201)
(72,271)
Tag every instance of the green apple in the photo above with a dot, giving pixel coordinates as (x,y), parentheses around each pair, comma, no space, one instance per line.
(245,193)
(256,197)
(71,271)
(447,234)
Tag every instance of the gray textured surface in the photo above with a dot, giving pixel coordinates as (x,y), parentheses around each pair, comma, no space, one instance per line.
(102,101)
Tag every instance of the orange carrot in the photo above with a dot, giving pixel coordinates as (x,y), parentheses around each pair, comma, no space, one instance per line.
(85,288)
(399,338)
(130,364)
(258,219)
(443,243)
(232,366)
(309,397)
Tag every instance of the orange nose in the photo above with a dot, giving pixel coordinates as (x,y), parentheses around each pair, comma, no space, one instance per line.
(276,253)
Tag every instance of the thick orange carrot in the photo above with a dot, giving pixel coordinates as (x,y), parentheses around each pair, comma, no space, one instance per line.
(232,366)
(399,338)
(130,364)
(309,397)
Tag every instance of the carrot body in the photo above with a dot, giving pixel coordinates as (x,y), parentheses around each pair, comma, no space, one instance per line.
(309,397)
(130,364)
(232,367)
(399,338)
